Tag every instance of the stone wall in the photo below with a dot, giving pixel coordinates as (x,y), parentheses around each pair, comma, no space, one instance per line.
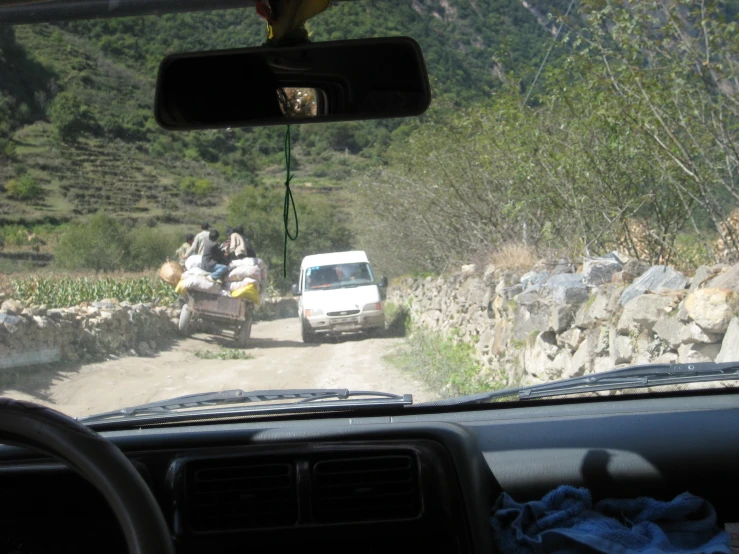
(553,322)
(32,335)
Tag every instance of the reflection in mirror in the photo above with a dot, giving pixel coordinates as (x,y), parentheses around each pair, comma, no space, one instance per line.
(298,101)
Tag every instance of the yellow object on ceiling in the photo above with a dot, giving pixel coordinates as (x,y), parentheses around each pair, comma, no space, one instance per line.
(286,18)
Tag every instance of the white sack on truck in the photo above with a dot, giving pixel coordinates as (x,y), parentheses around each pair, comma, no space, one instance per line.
(242,272)
(200,283)
(193,261)
(253,268)
(195,272)
(233,286)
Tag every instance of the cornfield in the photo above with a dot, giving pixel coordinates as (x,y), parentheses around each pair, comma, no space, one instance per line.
(65,291)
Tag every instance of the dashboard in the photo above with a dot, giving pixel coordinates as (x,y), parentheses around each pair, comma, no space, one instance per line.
(362,494)
(416,482)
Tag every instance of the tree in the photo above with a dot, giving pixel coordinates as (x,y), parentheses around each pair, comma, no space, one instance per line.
(630,143)
(670,71)
(69,117)
(321,229)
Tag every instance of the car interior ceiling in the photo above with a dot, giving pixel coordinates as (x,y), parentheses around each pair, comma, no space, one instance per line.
(384,481)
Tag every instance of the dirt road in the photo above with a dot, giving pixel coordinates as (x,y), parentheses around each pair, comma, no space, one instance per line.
(280,360)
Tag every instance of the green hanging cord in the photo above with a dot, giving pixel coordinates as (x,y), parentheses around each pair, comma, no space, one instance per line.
(288,201)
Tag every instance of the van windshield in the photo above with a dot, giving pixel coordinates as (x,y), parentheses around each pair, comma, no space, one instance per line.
(338,276)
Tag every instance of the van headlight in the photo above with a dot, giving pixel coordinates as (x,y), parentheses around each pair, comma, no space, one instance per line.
(374,307)
(312,313)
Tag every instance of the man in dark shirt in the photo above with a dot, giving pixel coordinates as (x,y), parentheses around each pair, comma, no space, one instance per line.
(214,260)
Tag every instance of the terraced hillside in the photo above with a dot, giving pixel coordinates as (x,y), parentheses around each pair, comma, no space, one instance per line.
(76,114)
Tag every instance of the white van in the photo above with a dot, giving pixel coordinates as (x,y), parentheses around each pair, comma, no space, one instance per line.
(338,293)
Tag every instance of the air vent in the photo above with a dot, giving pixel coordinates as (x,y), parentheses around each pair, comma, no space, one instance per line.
(366,489)
(234,497)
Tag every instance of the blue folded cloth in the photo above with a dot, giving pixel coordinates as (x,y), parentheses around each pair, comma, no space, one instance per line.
(565,520)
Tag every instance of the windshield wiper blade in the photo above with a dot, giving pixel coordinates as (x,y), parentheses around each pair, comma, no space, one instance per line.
(238,396)
(634,377)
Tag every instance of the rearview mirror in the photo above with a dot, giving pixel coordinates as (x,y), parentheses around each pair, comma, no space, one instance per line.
(383,282)
(295,290)
(314,83)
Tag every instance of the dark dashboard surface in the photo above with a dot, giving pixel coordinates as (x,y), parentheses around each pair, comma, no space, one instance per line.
(379,484)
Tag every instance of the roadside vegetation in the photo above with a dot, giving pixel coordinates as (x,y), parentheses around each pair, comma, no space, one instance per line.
(630,142)
(65,290)
(224,354)
(444,364)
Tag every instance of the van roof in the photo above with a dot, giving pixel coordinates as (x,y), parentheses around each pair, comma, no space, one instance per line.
(355,256)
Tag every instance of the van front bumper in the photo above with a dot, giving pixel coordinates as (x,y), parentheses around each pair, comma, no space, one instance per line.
(341,324)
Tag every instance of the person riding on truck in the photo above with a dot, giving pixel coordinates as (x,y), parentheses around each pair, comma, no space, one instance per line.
(199,243)
(181,252)
(214,260)
(236,245)
(250,252)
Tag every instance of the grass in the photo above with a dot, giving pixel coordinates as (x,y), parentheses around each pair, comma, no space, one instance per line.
(223,354)
(444,365)
(514,257)
(398,320)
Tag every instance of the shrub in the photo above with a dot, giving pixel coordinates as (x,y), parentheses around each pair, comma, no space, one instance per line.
(25,189)
(7,148)
(197,187)
(514,256)
(148,248)
(105,244)
(13,235)
(444,364)
(100,245)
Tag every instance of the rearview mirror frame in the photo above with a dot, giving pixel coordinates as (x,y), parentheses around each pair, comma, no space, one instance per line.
(223,89)
(294,290)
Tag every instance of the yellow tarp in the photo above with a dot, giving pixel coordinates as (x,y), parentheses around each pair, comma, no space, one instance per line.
(249,292)
(180,288)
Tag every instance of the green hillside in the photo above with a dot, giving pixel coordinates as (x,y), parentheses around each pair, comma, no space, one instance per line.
(77,133)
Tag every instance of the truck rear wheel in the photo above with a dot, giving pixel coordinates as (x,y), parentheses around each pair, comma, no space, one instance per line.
(243,334)
(185,319)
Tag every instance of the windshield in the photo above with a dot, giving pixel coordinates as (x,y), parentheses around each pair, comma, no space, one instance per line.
(568,205)
(338,276)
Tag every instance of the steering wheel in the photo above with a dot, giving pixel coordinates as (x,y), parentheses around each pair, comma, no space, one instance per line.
(97,460)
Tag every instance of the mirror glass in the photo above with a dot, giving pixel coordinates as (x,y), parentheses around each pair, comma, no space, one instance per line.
(297,102)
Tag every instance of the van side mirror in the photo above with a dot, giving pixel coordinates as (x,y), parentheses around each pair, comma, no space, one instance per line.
(383,282)
(295,290)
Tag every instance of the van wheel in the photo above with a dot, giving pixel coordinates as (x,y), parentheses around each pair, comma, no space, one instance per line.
(185,319)
(309,336)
